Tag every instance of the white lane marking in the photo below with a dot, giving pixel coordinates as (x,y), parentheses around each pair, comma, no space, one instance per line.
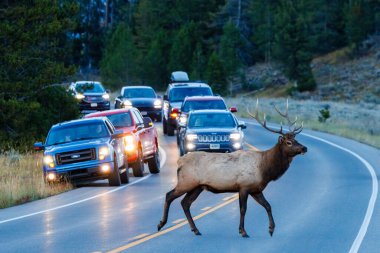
(139,236)
(163,160)
(371,204)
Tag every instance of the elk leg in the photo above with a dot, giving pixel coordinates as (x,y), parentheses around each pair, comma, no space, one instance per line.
(243,196)
(189,198)
(170,196)
(259,197)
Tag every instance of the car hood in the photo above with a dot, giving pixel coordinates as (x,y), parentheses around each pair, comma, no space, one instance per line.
(76,145)
(176,104)
(212,130)
(94,94)
(126,129)
(141,101)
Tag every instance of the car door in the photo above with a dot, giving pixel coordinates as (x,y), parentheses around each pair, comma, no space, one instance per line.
(117,144)
(147,142)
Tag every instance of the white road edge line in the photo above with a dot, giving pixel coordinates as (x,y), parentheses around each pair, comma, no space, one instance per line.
(371,204)
(163,160)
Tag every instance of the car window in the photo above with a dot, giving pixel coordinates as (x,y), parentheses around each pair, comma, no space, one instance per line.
(89,87)
(110,127)
(138,118)
(77,132)
(210,120)
(120,120)
(203,104)
(179,94)
(139,93)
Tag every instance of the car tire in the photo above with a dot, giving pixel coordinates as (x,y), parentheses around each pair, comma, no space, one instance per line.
(138,166)
(170,129)
(124,177)
(154,162)
(159,118)
(114,176)
(164,126)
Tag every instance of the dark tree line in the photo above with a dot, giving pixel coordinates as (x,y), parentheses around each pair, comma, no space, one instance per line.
(126,42)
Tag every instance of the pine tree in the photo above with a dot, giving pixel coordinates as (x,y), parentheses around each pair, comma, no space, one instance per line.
(216,75)
(118,63)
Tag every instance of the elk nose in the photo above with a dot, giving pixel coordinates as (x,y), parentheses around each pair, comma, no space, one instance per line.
(304,149)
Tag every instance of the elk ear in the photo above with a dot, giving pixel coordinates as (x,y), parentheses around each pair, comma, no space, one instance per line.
(280,139)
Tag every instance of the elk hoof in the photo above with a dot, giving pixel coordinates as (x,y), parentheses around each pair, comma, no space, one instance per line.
(196,232)
(243,233)
(271,230)
(160,225)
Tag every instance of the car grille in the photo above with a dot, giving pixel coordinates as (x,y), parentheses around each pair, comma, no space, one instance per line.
(76,156)
(93,99)
(213,138)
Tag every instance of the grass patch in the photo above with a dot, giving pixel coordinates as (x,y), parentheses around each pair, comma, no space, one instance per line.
(21,179)
(359,122)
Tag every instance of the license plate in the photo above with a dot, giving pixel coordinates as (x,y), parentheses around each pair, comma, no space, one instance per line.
(94,104)
(214,146)
(144,113)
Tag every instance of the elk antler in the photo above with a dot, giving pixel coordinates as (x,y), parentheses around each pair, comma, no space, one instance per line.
(263,124)
(296,130)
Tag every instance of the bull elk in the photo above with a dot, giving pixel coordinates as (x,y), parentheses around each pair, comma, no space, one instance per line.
(247,172)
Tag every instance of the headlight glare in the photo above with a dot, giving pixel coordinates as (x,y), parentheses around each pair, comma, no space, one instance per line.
(235,136)
(103,152)
(129,143)
(127,103)
(79,96)
(106,96)
(191,137)
(157,103)
(48,160)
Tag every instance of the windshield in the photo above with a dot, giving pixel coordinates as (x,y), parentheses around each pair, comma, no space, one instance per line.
(210,120)
(120,120)
(89,88)
(179,94)
(139,93)
(76,132)
(205,104)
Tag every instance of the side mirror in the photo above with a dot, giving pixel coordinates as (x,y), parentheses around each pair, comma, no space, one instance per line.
(233,109)
(242,125)
(118,134)
(148,122)
(165,97)
(108,91)
(38,146)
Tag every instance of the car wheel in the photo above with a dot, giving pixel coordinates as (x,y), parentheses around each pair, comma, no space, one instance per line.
(170,129)
(138,166)
(164,126)
(159,118)
(124,177)
(154,163)
(114,177)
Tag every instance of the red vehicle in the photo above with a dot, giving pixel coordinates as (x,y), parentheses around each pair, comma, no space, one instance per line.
(141,142)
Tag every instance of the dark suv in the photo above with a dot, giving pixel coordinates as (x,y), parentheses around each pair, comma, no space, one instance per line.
(91,96)
(173,98)
(212,131)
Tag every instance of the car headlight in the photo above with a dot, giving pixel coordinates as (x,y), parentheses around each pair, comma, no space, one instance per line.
(183,119)
(103,152)
(157,104)
(48,160)
(79,96)
(106,96)
(129,143)
(235,136)
(127,103)
(191,137)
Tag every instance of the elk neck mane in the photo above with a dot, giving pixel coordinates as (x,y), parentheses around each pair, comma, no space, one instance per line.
(274,163)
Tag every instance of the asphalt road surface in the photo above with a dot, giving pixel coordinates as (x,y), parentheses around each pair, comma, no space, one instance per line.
(326,202)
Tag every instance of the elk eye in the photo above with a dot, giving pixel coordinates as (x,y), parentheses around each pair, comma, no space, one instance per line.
(289,143)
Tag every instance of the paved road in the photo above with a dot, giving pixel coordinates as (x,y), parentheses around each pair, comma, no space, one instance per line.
(325,203)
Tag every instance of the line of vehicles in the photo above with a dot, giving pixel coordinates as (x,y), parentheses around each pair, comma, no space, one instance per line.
(106,143)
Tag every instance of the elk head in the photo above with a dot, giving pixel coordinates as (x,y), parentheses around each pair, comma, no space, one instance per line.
(287,142)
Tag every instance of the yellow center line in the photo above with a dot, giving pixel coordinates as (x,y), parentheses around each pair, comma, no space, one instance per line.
(139,236)
(206,208)
(252,147)
(165,231)
(178,221)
